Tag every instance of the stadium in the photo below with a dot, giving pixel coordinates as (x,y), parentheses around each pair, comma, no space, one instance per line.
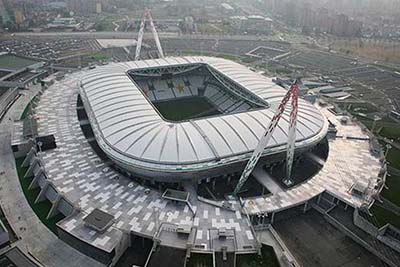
(138,160)
(114,155)
(182,119)
(158,162)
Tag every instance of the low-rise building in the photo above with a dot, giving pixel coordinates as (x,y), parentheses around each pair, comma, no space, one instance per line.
(254,24)
(70,23)
(227,9)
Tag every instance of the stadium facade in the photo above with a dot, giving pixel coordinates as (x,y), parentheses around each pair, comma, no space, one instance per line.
(142,116)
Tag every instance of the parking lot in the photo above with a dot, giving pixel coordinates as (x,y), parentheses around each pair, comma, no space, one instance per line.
(377,78)
(47,49)
(227,46)
(315,61)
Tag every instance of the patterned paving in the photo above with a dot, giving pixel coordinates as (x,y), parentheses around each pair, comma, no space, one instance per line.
(79,174)
(349,162)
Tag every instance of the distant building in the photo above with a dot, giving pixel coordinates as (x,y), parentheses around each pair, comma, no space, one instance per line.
(344,26)
(188,25)
(251,24)
(98,7)
(340,25)
(313,19)
(354,28)
(227,9)
(63,23)
(84,7)
(324,20)
(19,17)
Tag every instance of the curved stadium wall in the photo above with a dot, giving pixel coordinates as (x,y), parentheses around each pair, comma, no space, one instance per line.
(121,102)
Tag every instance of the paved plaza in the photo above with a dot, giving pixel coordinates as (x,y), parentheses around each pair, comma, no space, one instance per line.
(35,238)
(349,162)
(80,175)
(86,181)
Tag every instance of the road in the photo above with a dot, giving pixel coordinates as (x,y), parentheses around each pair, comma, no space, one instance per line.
(129,35)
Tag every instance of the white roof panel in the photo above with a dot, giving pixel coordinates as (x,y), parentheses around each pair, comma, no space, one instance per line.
(127,123)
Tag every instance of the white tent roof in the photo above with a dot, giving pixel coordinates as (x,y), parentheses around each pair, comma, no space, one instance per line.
(127,126)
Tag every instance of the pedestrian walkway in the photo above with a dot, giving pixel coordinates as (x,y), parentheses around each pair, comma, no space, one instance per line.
(266,180)
(35,238)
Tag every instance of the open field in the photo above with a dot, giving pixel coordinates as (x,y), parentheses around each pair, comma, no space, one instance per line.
(388,128)
(393,181)
(368,49)
(385,127)
(378,97)
(384,216)
(12,62)
(185,109)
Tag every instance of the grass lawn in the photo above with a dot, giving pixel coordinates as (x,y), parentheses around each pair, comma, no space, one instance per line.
(363,108)
(41,209)
(14,62)
(394,157)
(392,194)
(97,56)
(185,108)
(267,259)
(279,70)
(385,216)
(106,24)
(392,132)
(389,127)
(86,59)
(393,181)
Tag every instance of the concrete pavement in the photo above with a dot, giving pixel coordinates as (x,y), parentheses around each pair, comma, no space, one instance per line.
(35,238)
(266,180)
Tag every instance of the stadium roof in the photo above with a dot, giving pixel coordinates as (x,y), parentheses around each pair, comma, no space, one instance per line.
(129,129)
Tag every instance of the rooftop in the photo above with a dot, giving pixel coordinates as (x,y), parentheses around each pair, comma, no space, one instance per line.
(10,62)
(176,195)
(98,220)
(131,130)
(88,183)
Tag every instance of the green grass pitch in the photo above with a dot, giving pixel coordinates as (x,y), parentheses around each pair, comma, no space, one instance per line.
(186,108)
